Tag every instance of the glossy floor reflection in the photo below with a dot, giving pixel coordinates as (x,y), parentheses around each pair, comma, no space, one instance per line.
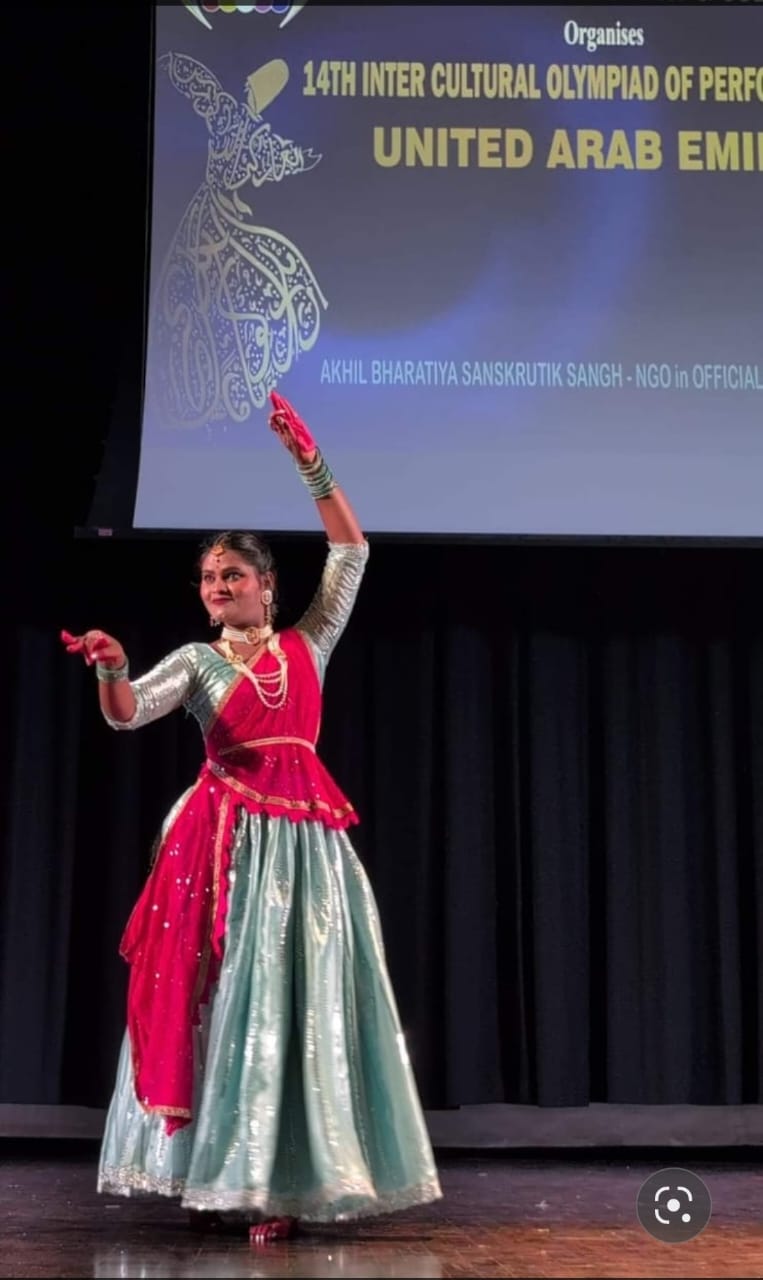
(303,1260)
(512,1214)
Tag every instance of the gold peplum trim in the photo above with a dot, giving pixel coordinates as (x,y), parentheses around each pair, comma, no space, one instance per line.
(281,802)
(267,742)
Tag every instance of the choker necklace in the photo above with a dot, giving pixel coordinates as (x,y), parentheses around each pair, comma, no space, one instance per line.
(250,635)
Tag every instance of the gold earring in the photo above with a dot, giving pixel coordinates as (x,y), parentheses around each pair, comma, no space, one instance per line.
(267,604)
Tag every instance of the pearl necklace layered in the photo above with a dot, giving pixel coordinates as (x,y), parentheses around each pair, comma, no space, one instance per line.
(271,687)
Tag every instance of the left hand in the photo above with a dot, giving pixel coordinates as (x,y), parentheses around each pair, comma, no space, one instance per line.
(291,430)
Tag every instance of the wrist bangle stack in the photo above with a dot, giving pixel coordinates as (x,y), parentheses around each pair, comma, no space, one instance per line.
(318,476)
(110,675)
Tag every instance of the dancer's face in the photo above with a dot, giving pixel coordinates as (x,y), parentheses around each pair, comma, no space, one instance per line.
(231,590)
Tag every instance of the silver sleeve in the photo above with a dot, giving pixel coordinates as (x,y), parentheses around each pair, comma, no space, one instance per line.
(331,606)
(161,690)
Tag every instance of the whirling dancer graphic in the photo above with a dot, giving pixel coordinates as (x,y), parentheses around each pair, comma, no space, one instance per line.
(236,303)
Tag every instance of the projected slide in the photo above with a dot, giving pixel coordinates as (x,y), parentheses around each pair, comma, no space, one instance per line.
(506,261)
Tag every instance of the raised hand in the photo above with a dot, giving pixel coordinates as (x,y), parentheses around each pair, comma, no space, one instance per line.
(291,430)
(95,646)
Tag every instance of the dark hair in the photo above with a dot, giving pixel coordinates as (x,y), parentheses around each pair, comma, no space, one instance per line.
(251,547)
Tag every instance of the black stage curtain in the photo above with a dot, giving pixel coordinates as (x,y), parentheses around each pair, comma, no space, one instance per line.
(557,752)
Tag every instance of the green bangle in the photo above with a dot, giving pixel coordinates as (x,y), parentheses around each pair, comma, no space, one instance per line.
(318,476)
(111,675)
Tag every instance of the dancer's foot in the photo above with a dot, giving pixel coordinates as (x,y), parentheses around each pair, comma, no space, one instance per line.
(272,1229)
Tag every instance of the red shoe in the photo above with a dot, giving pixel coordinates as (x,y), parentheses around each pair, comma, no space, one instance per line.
(272,1229)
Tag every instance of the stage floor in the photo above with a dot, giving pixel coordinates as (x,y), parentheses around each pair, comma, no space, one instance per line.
(503,1214)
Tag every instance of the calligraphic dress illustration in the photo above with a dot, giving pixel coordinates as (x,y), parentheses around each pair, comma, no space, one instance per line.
(236,303)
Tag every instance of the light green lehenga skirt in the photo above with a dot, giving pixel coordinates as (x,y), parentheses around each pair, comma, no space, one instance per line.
(305,1101)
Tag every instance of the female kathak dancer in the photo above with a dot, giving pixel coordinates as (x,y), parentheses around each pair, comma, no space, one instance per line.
(264,1071)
